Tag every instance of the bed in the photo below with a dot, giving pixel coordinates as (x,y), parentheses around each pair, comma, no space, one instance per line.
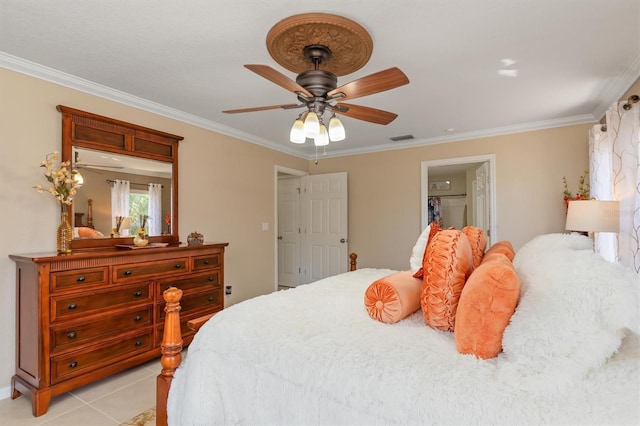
(569,354)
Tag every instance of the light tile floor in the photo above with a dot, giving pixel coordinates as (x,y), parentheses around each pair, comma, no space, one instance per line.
(107,402)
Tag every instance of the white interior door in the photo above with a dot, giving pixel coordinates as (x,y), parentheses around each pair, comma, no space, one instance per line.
(325,228)
(289,232)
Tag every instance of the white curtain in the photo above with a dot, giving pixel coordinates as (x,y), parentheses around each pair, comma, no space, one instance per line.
(119,200)
(614,169)
(155,209)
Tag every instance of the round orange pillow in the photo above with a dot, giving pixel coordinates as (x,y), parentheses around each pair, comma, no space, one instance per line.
(478,241)
(448,261)
(393,297)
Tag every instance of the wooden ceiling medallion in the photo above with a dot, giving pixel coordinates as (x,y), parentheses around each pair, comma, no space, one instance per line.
(349,43)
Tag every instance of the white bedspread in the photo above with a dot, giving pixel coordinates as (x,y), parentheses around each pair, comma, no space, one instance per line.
(312,355)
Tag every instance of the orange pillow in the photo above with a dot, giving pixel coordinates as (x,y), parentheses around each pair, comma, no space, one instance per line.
(447,264)
(478,241)
(393,297)
(85,232)
(487,302)
(503,247)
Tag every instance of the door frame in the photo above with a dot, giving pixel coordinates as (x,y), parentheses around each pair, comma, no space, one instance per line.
(277,170)
(424,187)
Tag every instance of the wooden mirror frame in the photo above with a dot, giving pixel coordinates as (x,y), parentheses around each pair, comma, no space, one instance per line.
(87,130)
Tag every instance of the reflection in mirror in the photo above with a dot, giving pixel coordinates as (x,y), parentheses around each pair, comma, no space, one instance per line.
(95,208)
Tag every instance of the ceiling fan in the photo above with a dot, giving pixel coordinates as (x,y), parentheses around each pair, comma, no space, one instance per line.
(320,47)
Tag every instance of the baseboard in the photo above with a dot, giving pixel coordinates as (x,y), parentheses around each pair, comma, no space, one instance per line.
(5,392)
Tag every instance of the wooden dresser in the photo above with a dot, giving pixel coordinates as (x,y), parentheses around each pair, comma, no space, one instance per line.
(87,315)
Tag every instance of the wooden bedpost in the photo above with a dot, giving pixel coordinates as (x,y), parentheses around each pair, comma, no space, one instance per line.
(171,352)
(352,261)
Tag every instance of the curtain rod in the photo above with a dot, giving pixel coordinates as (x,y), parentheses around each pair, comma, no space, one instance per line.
(448,195)
(110,181)
(627,106)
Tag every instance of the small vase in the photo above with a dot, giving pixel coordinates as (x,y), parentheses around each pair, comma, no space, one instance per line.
(65,233)
(140,240)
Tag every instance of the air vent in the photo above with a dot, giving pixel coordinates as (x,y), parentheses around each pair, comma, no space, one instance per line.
(401,138)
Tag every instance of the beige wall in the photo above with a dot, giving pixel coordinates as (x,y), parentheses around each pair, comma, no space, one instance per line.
(384,189)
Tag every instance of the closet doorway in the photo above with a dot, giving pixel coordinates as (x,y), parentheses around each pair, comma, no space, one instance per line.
(459,192)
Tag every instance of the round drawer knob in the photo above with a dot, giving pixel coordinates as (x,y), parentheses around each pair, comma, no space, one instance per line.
(127,272)
(211,298)
(73,364)
(137,318)
(72,306)
(81,279)
(178,265)
(137,293)
(138,343)
(72,335)
(206,262)
(212,278)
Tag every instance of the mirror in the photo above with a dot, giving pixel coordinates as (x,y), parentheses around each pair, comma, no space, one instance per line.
(92,207)
(105,150)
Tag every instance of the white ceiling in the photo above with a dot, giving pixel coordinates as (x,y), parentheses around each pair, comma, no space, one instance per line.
(184,59)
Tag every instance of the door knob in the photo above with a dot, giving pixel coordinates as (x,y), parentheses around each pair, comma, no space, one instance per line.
(342,240)
(279,237)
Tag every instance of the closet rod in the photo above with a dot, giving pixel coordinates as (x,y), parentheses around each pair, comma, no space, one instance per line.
(448,195)
(627,106)
(110,181)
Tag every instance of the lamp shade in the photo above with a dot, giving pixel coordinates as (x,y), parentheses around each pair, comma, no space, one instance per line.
(593,216)
(297,132)
(323,137)
(311,125)
(336,130)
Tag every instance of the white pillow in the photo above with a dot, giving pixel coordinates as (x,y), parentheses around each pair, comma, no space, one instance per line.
(572,316)
(417,254)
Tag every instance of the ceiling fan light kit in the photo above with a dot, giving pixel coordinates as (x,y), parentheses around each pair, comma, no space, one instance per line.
(320,47)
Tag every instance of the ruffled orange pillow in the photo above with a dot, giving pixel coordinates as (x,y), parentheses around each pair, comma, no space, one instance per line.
(487,302)
(447,264)
(505,247)
(478,241)
(393,297)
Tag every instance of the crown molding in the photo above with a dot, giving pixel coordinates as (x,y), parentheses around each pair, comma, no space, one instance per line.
(617,88)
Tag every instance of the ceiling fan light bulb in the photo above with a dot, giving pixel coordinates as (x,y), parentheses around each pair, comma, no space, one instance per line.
(312,125)
(323,137)
(336,130)
(297,132)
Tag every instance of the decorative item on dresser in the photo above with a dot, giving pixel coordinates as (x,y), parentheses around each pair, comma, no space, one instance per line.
(87,315)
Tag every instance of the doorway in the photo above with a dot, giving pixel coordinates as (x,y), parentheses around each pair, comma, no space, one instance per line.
(459,192)
(311,226)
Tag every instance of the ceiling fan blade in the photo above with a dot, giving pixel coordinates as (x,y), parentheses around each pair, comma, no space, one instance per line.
(364,113)
(278,78)
(374,83)
(262,108)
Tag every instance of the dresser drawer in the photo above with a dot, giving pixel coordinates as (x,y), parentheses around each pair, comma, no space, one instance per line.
(68,336)
(199,282)
(81,278)
(69,306)
(70,365)
(207,262)
(205,302)
(136,271)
